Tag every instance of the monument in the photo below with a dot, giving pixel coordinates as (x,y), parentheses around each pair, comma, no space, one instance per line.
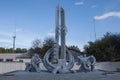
(60,64)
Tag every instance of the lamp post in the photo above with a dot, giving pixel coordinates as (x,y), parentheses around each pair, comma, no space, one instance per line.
(94,29)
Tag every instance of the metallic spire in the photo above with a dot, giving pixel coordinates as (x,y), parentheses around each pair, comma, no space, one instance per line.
(56,53)
(63,46)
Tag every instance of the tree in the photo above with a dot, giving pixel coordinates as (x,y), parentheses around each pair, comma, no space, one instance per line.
(74,48)
(48,42)
(31,52)
(41,47)
(2,50)
(37,43)
(23,50)
(17,50)
(20,50)
(106,48)
(10,50)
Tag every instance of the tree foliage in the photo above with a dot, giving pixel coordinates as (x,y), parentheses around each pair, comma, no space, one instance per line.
(10,50)
(20,50)
(40,47)
(37,43)
(74,48)
(45,45)
(105,49)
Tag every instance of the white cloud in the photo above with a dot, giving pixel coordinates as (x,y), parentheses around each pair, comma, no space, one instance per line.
(51,34)
(6,34)
(93,6)
(79,3)
(5,41)
(10,34)
(19,30)
(107,15)
(8,43)
(23,44)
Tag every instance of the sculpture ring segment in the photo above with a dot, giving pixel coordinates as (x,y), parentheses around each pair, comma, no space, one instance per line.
(58,68)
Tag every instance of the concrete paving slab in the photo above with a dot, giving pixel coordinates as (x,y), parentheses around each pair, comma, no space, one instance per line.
(96,75)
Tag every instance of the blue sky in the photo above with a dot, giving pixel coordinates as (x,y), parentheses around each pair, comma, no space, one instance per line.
(35,19)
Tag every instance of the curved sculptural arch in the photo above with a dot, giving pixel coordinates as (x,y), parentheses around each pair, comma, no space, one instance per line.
(60,68)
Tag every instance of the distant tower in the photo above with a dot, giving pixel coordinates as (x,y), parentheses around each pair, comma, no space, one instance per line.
(14,37)
(14,43)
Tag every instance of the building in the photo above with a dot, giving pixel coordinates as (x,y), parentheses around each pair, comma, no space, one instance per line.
(10,57)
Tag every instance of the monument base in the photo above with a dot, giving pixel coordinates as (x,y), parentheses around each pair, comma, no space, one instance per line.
(44,75)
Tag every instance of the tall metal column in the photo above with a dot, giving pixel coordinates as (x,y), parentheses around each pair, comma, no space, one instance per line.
(57,33)
(63,33)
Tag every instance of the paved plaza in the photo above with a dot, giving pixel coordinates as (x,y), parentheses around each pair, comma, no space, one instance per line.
(96,75)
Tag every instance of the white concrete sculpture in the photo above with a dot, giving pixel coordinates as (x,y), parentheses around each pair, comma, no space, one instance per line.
(34,66)
(59,53)
(61,65)
(86,63)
